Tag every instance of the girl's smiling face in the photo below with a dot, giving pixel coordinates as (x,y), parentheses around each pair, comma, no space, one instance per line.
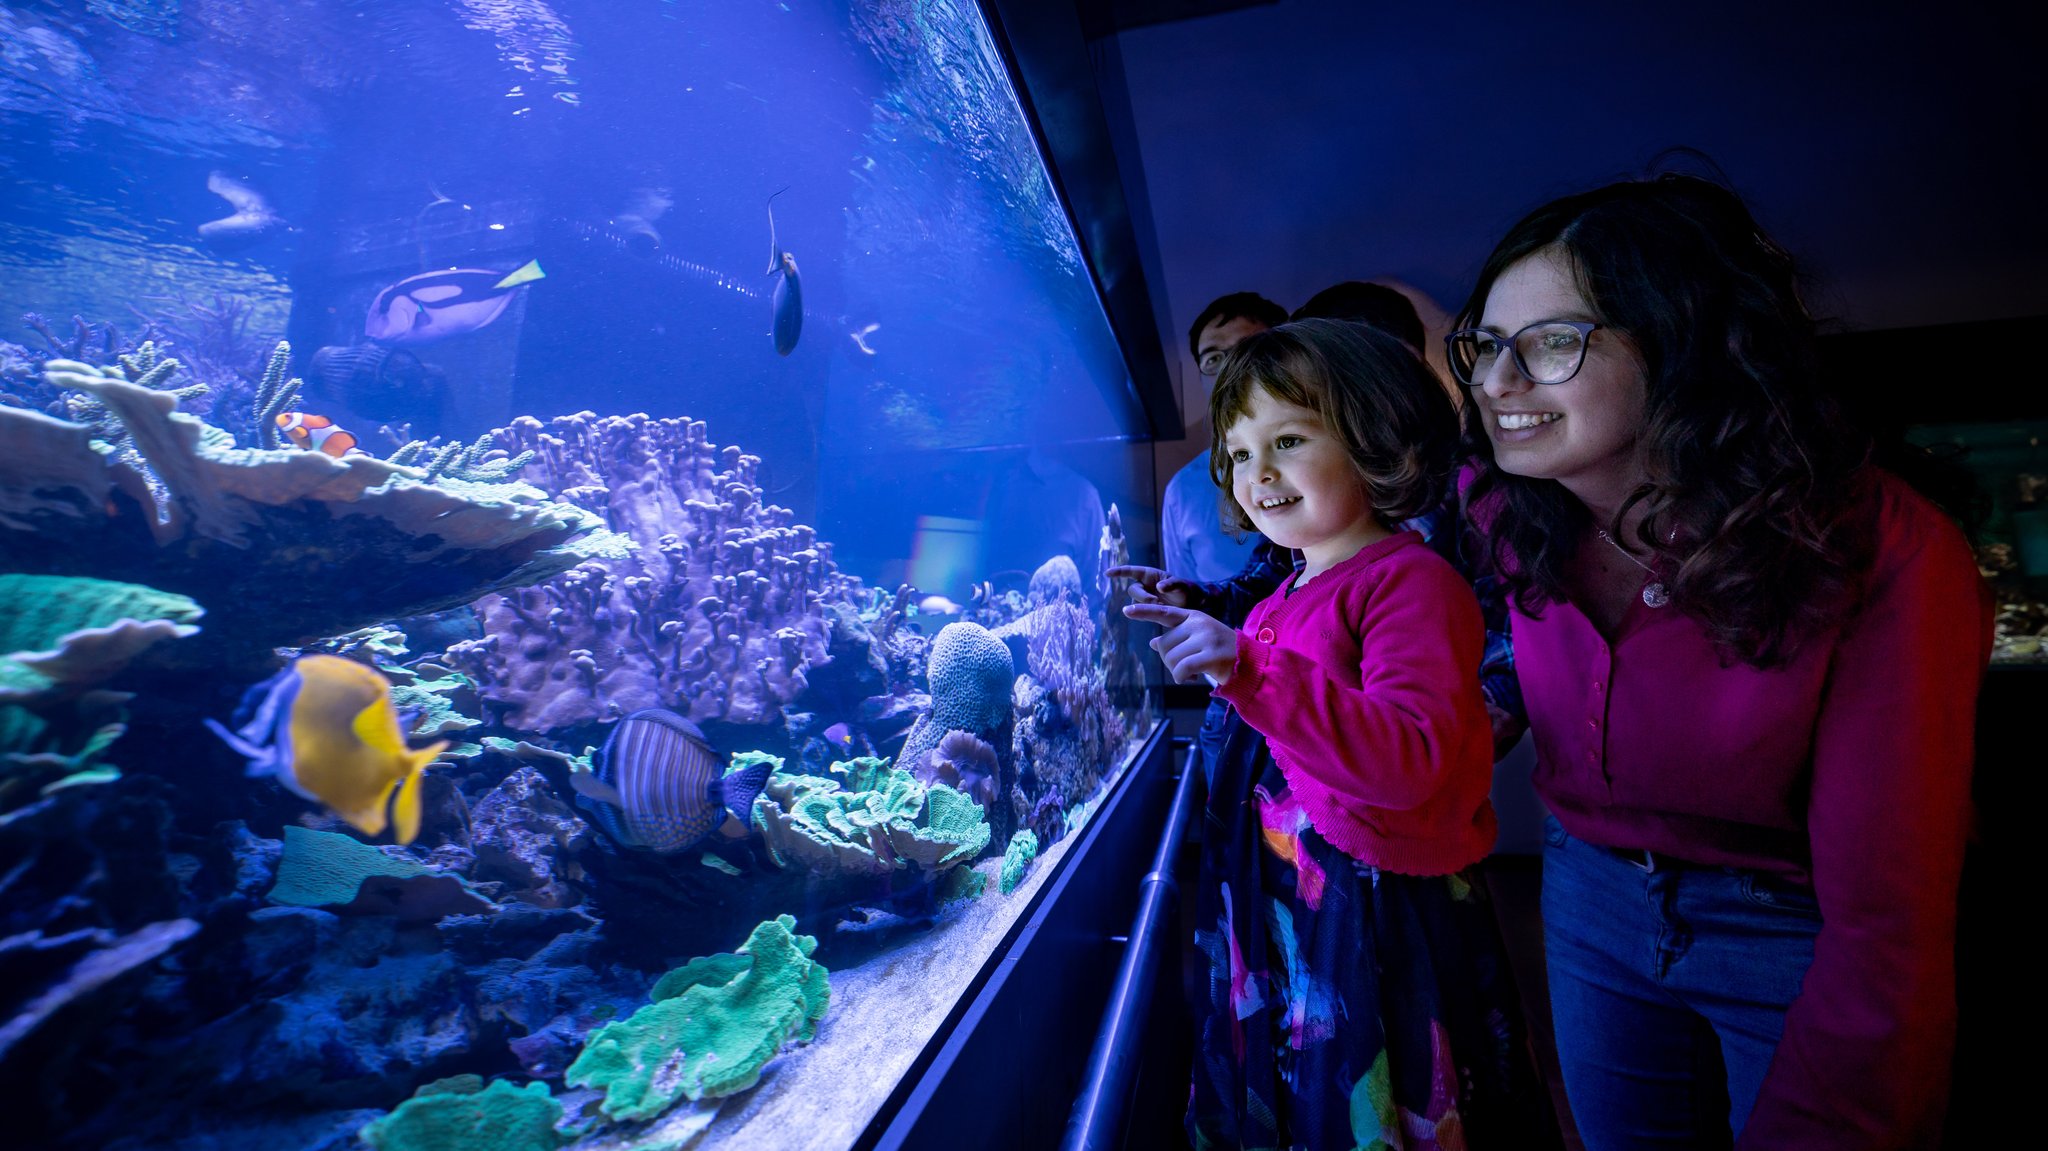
(1582,432)
(1296,481)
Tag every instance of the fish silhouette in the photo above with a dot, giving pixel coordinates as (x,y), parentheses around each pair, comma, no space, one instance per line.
(436,305)
(789,290)
(656,784)
(251,220)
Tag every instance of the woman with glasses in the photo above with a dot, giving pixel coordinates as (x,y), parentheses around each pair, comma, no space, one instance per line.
(1750,660)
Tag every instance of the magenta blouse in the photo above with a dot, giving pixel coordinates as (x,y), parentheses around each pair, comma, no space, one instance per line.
(1848,770)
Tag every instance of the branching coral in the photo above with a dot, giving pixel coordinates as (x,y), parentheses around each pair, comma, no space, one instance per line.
(717,614)
(476,463)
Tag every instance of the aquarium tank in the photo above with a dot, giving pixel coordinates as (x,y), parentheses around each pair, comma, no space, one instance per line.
(554,565)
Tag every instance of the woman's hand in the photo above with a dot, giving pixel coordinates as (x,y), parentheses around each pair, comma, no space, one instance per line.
(1195,646)
(1150,585)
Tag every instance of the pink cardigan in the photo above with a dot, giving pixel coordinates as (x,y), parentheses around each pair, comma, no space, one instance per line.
(1365,683)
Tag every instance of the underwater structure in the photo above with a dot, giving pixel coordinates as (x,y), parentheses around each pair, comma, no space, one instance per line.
(485,664)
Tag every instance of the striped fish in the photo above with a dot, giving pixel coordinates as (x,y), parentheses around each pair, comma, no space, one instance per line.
(656,784)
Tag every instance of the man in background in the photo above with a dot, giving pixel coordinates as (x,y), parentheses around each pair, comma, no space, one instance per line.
(1190,522)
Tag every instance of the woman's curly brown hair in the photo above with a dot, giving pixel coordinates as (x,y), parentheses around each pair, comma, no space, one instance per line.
(1390,411)
(1748,469)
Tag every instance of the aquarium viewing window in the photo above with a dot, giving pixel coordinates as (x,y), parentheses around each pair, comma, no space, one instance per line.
(555,555)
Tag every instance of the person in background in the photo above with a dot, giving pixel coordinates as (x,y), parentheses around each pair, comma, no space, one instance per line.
(1373,304)
(1750,660)
(1359,992)
(1190,525)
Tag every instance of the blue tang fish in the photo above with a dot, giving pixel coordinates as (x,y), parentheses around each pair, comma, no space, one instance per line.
(656,784)
(789,290)
(326,729)
(436,305)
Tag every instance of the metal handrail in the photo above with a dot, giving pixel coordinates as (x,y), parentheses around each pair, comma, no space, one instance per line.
(1099,1115)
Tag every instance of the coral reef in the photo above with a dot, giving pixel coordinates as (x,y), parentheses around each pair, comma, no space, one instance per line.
(526,838)
(882,820)
(970,676)
(964,763)
(63,633)
(718,614)
(327,870)
(499,1117)
(60,638)
(1017,858)
(1123,668)
(714,1023)
(282,546)
(70,983)
(472,462)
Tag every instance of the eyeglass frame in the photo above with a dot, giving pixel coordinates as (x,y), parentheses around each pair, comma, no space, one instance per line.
(1585,329)
(1220,354)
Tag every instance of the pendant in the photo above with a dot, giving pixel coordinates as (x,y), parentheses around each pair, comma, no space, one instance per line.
(1654,594)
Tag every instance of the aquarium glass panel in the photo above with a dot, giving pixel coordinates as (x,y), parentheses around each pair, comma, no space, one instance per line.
(554,558)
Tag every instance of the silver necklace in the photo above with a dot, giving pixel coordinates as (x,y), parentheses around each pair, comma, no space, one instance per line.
(1654,593)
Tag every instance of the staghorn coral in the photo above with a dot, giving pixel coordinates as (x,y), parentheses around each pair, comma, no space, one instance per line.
(718,614)
(282,547)
(275,395)
(476,463)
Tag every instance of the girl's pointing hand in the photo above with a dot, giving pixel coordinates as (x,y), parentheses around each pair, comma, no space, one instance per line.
(1194,646)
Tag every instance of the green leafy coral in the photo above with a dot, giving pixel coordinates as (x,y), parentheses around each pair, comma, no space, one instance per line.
(499,1117)
(1017,858)
(70,630)
(340,873)
(871,820)
(714,1023)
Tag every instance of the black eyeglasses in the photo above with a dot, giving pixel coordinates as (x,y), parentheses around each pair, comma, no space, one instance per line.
(1546,352)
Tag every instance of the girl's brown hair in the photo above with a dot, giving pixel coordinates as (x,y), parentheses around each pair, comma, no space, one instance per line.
(1388,408)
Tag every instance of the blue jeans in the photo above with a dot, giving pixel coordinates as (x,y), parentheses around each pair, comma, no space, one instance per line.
(1668,990)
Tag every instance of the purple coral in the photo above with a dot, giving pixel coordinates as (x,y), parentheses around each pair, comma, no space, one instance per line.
(963,763)
(716,613)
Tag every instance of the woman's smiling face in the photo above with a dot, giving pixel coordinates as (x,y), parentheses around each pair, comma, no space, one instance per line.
(1582,432)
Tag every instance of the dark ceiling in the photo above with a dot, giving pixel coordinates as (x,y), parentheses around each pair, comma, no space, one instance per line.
(1897,149)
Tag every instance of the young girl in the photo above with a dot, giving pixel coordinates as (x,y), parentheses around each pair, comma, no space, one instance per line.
(1358,992)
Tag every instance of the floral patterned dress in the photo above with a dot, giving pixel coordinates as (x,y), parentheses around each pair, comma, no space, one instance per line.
(1347,1006)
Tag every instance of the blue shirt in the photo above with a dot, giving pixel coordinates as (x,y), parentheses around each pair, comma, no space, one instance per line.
(1191,528)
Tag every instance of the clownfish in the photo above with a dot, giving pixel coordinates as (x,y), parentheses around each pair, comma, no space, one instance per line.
(326,729)
(316,434)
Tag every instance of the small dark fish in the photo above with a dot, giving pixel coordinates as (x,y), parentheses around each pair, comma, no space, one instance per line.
(840,736)
(436,305)
(656,784)
(789,289)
